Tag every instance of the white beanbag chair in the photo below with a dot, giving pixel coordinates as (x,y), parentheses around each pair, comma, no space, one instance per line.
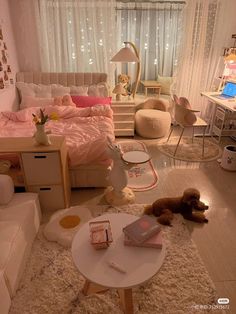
(151,123)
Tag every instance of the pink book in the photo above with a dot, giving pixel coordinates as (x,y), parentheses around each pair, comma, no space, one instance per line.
(153,242)
(142,229)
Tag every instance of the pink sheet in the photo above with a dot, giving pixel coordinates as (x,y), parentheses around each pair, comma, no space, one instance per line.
(85,129)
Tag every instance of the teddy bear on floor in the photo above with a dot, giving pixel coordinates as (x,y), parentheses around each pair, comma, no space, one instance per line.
(124,80)
(188,205)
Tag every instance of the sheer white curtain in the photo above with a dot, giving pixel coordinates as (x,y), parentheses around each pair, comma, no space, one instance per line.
(77,36)
(156,29)
(208,27)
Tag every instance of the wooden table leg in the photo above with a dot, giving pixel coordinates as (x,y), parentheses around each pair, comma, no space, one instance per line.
(90,288)
(126,300)
(145,88)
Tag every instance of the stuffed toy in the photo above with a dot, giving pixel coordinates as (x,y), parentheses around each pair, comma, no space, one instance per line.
(124,80)
(188,114)
(65,100)
(188,205)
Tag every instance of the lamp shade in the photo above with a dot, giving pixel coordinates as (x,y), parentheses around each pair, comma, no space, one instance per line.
(125,55)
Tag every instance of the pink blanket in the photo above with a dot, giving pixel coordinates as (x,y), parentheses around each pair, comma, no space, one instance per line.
(85,130)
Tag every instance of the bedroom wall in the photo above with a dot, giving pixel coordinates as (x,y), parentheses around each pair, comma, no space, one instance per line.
(8,96)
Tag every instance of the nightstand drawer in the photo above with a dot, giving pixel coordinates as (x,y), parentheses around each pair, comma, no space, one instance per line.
(122,108)
(51,197)
(123,116)
(124,132)
(124,125)
(42,168)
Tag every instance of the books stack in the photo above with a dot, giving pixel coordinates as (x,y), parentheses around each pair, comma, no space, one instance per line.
(143,232)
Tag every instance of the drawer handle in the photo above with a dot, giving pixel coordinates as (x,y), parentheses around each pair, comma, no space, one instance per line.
(40,156)
(45,189)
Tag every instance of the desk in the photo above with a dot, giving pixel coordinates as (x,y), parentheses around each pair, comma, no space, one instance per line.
(151,84)
(140,264)
(223,122)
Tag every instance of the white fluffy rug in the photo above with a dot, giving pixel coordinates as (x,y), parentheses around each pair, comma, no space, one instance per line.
(52,285)
(189,151)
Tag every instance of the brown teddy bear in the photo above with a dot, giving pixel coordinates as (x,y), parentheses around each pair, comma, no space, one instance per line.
(124,80)
(188,205)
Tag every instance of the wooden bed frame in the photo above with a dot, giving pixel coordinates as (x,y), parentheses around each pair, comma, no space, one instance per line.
(94,175)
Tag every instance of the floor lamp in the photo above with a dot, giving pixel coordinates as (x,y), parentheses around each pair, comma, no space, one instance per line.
(125,55)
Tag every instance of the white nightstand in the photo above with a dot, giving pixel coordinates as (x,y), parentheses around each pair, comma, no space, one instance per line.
(123,117)
(44,169)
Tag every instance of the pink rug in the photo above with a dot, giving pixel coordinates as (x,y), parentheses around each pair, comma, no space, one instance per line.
(142,177)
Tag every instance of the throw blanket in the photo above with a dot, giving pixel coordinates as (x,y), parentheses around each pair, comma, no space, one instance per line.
(85,130)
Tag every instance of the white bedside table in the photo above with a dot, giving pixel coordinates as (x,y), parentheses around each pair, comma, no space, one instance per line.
(44,169)
(140,264)
(123,117)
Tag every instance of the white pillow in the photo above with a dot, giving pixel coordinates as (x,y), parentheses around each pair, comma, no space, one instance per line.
(32,90)
(29,101)
(165,82)
(43,91)
(79,90)
(98,90)
(25,89)
(59,90)
(6,189)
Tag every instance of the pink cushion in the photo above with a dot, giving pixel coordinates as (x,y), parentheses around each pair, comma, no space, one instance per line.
(89,101)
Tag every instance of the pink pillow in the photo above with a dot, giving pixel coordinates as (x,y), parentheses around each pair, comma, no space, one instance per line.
(89,101)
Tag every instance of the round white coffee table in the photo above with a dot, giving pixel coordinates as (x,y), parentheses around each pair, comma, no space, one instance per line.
(140,264)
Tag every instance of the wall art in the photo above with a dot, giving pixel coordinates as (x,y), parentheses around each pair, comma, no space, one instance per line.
(6,76)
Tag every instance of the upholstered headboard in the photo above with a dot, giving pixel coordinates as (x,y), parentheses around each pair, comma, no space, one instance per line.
(65,79)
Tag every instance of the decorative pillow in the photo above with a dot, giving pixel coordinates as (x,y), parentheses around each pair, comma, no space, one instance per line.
(89,101)
(25,89)
(98,90)
(59,90)
(79,90)
(32,90)
(28,102)
(165,82)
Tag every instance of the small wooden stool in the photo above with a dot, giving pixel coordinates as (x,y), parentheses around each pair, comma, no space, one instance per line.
(151,84)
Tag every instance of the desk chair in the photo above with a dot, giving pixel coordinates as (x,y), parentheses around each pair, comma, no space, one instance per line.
(185,117)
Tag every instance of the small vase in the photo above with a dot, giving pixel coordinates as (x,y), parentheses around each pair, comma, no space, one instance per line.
(41,136)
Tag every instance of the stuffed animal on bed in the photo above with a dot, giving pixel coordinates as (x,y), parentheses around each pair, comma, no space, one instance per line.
(65,100)
(188,205)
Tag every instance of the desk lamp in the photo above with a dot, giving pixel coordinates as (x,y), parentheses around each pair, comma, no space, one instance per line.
(125,55)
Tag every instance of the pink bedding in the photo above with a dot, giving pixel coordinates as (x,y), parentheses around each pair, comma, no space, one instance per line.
(85,129)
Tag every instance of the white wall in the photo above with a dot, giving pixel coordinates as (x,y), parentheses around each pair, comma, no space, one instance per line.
(8,97)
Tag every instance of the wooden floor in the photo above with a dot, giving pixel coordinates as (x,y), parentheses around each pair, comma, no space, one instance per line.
(216,241)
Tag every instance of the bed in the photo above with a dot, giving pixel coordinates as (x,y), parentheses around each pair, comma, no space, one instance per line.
(85,129)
